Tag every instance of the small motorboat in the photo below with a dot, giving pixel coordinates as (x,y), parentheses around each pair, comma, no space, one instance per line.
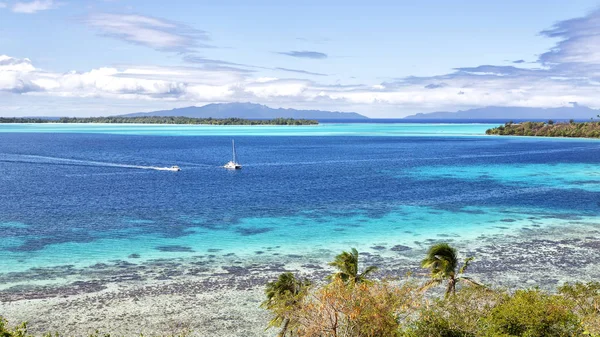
(172,168)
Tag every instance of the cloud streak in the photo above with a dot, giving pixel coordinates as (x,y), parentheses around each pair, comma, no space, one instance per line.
(158,34)
(34,6)
(580,41)
(215,64)
(305,54)
(298,71)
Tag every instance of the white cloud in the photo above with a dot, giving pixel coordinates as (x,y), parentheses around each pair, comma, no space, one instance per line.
(150,83)
(148,31)
(197,85)
(209,93)
(3,5)
(278,88)
(8,63)
(34,6)
(265,79)
(15,75)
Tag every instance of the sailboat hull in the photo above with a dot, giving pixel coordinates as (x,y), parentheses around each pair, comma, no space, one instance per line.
(232,166)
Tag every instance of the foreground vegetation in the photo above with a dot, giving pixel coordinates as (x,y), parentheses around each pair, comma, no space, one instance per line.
(164,120)
(351,304)
(548,129)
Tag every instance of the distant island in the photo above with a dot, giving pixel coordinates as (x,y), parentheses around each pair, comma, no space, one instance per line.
(575,111)
(548,129)
(163,120)
(247,110)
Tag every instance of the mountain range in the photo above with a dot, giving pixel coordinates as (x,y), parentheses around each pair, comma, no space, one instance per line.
(248,111)
(260,111)
(493,112)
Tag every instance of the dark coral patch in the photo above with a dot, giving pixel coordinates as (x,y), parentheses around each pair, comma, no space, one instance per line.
(175,248)
(400,248)
(253,231)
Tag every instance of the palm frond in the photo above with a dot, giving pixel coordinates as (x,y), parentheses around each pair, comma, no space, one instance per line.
(441,260)
(286,285)
(369,270)
(470,281)
(466,265)
(347,265)
(355,254)
(430,284)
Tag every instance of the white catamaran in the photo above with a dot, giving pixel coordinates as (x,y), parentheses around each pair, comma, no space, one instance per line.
(233,165)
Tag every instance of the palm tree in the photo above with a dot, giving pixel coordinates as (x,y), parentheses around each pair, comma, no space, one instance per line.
(282,297)
(347,266)
(442,261)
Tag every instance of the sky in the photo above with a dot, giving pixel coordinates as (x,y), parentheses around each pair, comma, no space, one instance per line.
(383,59)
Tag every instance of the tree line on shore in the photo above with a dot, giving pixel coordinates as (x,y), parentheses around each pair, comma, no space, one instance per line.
(352,304)
(548,129)
(163,120)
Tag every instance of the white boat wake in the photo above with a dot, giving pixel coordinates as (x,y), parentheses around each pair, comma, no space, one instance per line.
(41,159)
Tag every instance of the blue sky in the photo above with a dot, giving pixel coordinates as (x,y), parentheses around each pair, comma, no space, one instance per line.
(379,58)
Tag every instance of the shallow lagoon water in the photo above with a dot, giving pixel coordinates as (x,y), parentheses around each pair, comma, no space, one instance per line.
(81,195)
(324,129)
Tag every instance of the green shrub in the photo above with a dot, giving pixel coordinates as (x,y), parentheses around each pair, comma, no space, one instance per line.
(532,313)
(586,297)
(18,331)
(458,316)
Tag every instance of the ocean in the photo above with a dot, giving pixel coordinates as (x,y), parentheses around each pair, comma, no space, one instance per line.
(77,196)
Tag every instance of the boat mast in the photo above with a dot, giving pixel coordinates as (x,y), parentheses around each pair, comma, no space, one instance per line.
(233,146)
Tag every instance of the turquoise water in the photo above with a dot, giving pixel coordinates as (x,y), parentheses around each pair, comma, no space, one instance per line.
(78,195)
(327,129)
(557,176)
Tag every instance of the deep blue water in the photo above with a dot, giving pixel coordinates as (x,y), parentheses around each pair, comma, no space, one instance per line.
(73,198)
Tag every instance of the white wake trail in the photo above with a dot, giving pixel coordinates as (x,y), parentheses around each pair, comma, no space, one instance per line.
(86,162)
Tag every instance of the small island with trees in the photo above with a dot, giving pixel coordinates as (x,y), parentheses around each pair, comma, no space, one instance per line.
(548,129)
(162,120)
